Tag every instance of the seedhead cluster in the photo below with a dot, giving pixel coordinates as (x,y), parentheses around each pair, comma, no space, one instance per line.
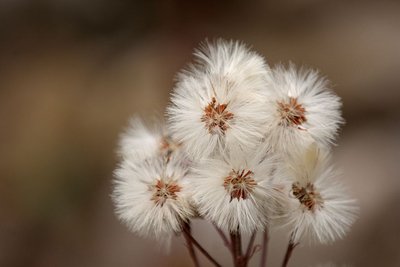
(245,147)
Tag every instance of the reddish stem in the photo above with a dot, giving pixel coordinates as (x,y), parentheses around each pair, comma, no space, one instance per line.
(224,238)
(289,252)
(189,243)
(264,248)
(236,241)
(199,247)
(250,248)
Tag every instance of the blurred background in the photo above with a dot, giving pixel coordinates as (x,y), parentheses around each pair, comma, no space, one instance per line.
(72,73)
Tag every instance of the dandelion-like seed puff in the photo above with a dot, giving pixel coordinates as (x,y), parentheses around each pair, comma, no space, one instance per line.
(318,205)
(217,104)
(140,142)
(302,109)
(236,193)
(152,197)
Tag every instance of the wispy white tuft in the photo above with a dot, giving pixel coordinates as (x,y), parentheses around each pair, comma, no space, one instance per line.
(302,110)
(236,193)
(140,142)
(152,197)
(318,205)
(217,104)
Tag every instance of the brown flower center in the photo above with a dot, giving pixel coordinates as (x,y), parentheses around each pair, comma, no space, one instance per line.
(292,113)
(164,190)
(240,184)
(168,146)
(216,117)
(307,195)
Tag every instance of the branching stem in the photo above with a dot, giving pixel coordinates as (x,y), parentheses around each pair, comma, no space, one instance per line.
(250,248)
(199,247)
(289,252)
(227,243)
(264,248)
(189,243)
(236,242)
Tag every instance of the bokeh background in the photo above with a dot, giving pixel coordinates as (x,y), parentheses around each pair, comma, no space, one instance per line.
(72,72)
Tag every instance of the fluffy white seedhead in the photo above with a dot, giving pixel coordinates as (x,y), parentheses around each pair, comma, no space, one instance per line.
(302,110)
(236,193)
(217,104)
(140,142)
(152,197)
(318,206)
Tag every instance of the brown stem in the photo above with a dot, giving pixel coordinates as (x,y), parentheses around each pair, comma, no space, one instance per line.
(264,248)
(233,248)
(189,243)
(199,247)
(236,241)
(250,248)
(289,252)
(224,238)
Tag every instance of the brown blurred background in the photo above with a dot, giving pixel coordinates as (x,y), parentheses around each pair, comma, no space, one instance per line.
(72,72)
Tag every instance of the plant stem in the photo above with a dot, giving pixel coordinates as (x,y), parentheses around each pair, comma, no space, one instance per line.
(289,252)
(236,241)
(199,247)
(189,243)
(264,248)
(224,238)
(250,248)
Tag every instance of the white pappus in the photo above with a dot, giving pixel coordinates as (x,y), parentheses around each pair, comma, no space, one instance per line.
(152,197)
(236,192)
(318,205)
(217,104)
(302,110)
(140,142)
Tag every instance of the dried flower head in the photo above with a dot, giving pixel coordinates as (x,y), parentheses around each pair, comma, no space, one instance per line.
(140,142)
(240,184)
(164,190)
(302,110)
(318,206)
(238,192)
(307,195)
(152,197)
(291,112)
(216,117)
(217,104)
